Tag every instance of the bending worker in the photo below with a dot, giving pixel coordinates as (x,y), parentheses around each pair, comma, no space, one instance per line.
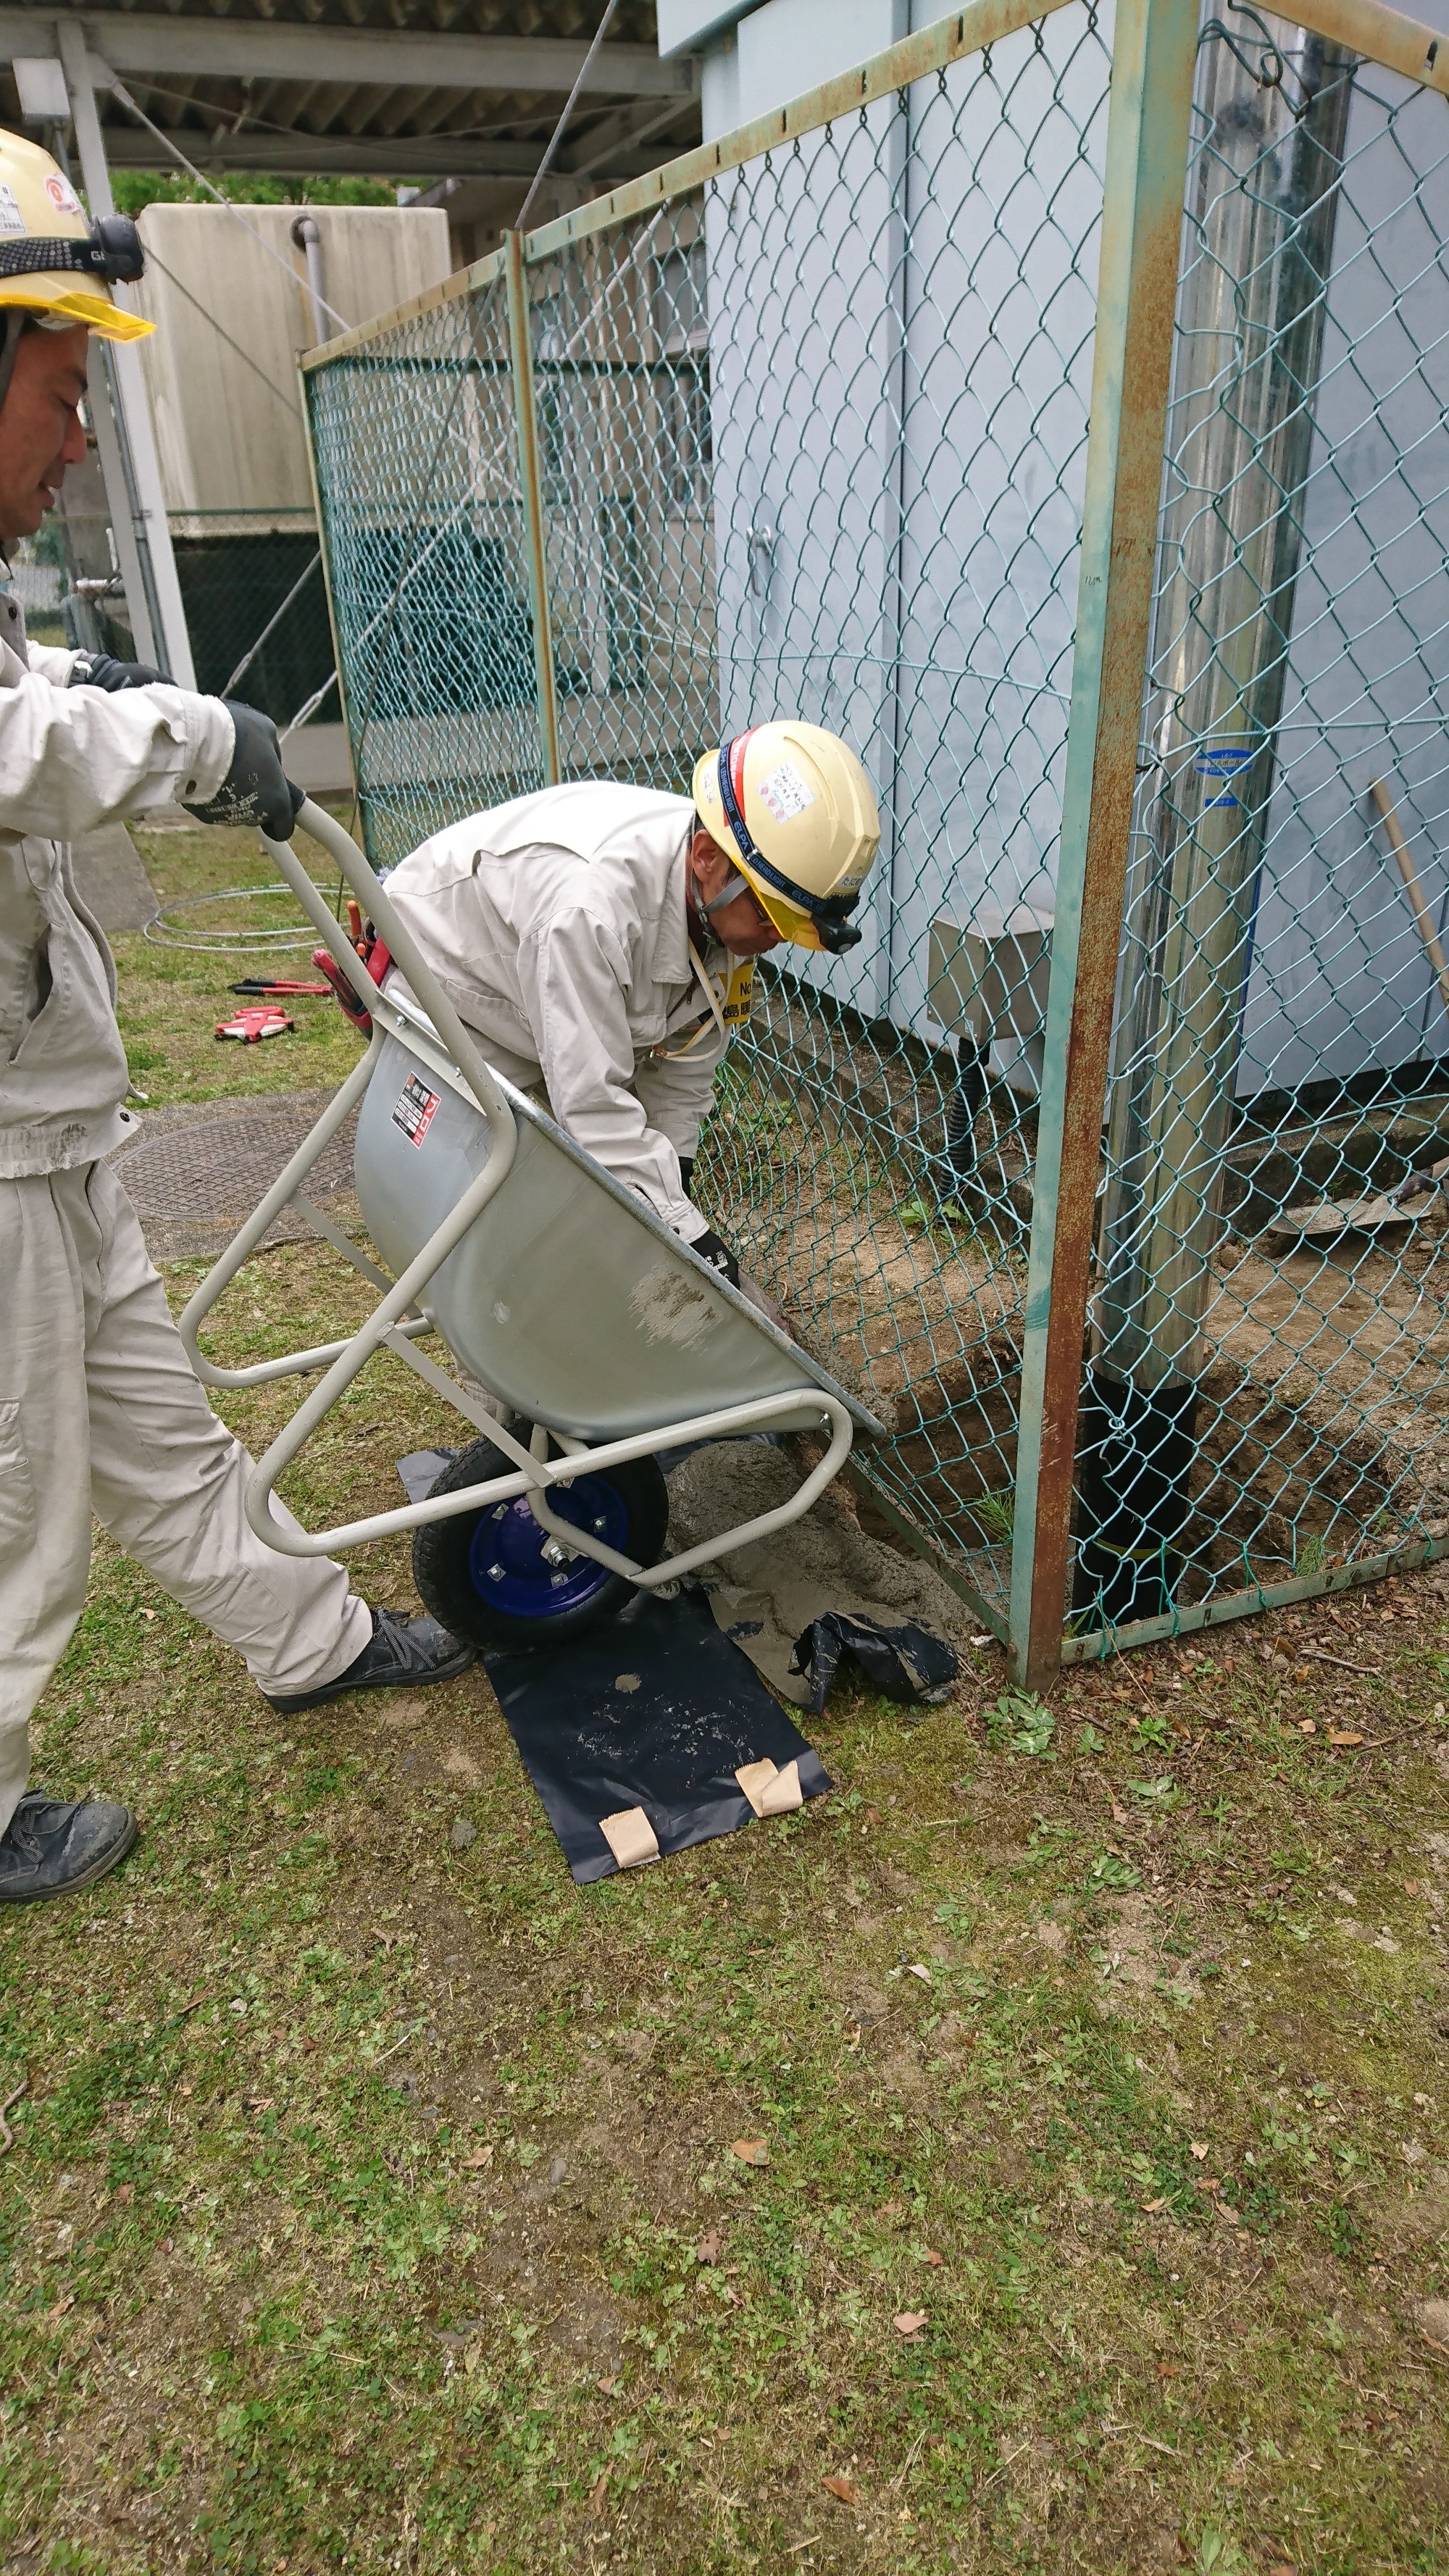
(99,1408)
(600,938)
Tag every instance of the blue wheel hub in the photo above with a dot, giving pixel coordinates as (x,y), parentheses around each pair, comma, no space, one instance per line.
(506,1559)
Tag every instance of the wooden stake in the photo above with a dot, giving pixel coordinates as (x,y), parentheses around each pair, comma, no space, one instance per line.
(1423,918)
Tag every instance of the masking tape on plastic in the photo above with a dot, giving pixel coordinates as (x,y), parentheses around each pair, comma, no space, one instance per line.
(630,1837)
(771,1792)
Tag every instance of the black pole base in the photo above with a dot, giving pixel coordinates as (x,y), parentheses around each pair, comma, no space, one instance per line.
(957,1168)
(1136,1453)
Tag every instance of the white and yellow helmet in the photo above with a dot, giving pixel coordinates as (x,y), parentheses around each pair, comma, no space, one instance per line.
(54,262)
(791,805)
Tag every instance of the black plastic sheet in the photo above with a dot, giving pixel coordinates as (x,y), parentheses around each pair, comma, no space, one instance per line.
(905,1662)
(654,1709)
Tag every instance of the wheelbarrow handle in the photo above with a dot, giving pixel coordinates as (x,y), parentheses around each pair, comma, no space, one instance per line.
(373,898)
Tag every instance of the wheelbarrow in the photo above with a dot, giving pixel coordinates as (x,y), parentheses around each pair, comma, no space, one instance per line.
(597,1334)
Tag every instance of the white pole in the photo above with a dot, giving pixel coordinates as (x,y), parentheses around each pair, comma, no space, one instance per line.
(121,507)
(141,498)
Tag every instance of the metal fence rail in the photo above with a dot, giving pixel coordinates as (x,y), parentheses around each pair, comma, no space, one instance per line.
(862,413)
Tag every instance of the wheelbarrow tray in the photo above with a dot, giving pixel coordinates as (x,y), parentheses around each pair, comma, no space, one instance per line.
(567,1299)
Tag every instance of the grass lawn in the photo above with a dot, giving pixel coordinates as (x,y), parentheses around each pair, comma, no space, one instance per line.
(375,2199)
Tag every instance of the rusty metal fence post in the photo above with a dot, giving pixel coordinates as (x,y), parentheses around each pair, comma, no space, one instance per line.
(531,485)
(1154,51)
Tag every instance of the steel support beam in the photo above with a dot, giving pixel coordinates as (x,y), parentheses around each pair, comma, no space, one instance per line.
(252,49)
(520,344)
(1153,58)
(129,461)
(430,156)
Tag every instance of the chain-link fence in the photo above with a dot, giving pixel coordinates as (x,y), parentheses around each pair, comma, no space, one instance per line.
(837,417)
(256,605)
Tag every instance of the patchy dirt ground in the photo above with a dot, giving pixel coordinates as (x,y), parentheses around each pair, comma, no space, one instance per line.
(1029,2157)
(375,2203)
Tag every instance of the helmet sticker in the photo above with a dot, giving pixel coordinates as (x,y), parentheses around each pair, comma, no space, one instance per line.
(784,793)
(61,194)
(11,218)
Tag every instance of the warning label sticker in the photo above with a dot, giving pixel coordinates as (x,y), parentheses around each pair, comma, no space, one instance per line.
(417,1108)
(785,792)
(11,218)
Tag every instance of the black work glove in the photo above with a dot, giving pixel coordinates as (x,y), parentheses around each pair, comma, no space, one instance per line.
(255,788)
(718,1255)
(103,671)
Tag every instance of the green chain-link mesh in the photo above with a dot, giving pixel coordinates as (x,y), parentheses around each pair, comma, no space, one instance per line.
(811,437)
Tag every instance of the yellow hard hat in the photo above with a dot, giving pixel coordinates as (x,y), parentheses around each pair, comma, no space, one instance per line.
(791,805)
(54,262)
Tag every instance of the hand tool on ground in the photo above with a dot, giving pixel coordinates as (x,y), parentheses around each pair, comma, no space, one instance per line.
(275,984)
(263,1020)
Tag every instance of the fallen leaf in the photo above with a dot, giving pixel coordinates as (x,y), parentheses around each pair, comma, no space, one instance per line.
(751,2151)
(872,1815)
(600,2483)
(477,2158)
(148,1614)
(1303,1674)
(916,1970)
(710,2247)
(1198,2147)
(1343,1735)
(1168,2369)
(1152,2206)
(845,2488)
(932,2256)
(127,2191)
(610,2387)
(909,2322)
(1306,1725)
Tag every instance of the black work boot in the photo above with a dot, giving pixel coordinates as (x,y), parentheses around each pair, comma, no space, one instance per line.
(406,1652)
(50,1848)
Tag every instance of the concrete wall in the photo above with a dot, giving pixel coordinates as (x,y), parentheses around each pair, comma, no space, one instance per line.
(221,368)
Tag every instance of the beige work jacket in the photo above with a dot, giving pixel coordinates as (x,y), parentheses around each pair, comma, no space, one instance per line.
(556,926)
(71,759)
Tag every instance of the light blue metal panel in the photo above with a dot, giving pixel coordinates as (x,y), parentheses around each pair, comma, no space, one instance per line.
(900,337)
(1340,978)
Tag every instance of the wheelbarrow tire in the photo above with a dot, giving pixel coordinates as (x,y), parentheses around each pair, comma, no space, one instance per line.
(485,1576)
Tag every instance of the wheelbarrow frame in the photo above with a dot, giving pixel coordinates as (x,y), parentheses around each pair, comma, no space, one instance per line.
(395,1325)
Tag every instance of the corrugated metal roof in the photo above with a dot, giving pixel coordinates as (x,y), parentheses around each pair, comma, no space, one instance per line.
(416,89)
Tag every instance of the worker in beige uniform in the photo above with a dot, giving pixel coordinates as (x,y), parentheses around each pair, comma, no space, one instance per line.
(600,937)
(99,1409)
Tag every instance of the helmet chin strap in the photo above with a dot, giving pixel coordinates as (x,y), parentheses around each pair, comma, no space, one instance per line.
(735,888)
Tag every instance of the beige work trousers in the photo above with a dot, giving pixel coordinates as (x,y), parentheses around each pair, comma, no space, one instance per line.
(101,1413)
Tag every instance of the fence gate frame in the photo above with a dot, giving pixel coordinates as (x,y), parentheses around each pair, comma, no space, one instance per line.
(1148,148)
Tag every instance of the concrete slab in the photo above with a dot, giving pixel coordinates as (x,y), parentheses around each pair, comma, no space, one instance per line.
(318,758)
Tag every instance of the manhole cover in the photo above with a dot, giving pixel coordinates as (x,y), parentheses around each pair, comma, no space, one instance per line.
(194,1175)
